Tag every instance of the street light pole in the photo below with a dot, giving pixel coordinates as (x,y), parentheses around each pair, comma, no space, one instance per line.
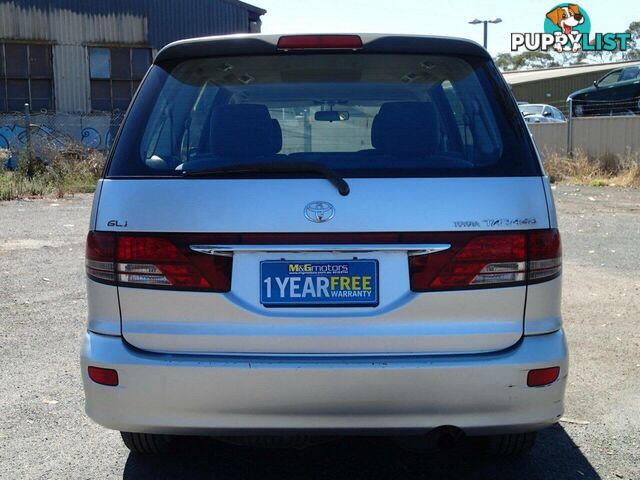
(475,21)
(484,40)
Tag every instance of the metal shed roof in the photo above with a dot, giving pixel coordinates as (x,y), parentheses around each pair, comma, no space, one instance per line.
(525,76)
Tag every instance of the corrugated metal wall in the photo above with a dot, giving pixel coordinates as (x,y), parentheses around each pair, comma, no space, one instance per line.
(25,21)
(171,20)
(71,25)
(71,85)
(156,22)
(594,136)
(554,91)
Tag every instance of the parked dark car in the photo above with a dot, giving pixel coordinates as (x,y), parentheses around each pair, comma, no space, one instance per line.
(617,93)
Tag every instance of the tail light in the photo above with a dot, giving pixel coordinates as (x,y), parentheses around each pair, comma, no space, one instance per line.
(545,255)
(154,261)
(99,256)
(489,260)
(475,259)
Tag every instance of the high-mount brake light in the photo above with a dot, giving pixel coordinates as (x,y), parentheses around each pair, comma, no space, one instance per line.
(155,261)
(489,259)
(329,42)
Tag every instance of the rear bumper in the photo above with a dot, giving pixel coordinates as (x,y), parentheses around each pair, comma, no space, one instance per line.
(180,394)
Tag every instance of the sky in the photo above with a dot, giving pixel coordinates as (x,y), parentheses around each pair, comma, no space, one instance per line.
(428,17)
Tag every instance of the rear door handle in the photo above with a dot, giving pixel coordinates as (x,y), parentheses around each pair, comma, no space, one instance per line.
(411,249)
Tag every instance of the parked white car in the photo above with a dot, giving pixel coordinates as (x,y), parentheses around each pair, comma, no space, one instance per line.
(324,233)
(541,113)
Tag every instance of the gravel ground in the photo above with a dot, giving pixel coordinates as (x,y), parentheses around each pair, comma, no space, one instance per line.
(45,434)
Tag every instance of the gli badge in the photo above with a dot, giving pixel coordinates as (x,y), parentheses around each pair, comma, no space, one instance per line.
(319,212)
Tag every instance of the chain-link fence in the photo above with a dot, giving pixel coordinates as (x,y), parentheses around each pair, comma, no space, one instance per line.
(594,136)
(594,126)
(599,108)
(56,130)
(590,107)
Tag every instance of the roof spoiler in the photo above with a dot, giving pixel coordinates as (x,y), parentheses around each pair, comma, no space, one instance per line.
(238,45)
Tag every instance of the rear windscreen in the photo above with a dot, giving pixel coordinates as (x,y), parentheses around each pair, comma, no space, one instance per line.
(362,115)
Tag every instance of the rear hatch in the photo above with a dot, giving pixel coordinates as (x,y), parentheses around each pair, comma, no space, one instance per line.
(225,217)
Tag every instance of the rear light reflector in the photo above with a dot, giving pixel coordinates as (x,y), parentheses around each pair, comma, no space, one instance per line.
(157,261)
(542,376)
(487,259)
(295,42)
(104,376)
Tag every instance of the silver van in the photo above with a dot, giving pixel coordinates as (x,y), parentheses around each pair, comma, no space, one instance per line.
(324,234)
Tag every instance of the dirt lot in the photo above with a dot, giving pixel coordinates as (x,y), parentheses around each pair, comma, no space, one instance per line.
(45,434)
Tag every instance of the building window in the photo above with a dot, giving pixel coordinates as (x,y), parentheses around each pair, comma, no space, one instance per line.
(115,75)
(26,76)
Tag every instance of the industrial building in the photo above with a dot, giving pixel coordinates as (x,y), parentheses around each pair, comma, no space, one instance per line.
(78,62)
(553,85)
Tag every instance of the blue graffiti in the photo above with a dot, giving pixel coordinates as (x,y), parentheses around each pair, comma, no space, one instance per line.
(90,138)
(110,138)
(13,137)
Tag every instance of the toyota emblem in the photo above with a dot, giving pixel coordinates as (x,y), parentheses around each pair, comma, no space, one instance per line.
(319,212)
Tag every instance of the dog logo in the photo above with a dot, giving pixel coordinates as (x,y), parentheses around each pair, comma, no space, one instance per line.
(566,19)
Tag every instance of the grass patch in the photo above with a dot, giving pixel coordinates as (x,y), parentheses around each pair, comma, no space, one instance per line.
(599,183)
(581,169)
(59,172)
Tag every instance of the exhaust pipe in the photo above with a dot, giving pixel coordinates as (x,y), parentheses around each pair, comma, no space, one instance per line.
(442,438)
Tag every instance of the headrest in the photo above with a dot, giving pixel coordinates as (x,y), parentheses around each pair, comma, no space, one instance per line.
(243,129)
(276,137)
(406,127)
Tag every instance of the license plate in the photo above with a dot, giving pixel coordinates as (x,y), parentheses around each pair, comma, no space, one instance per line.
(330,283)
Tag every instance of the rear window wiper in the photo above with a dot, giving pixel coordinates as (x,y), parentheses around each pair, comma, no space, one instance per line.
(286,167)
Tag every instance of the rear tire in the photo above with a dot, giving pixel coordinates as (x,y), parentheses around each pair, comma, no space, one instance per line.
(578,110)
(511,444)
(146,443)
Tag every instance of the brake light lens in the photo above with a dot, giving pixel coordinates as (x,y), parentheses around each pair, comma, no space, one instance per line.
(330,42)
(489,260)
(100,256)
(155,261)
(475,259)
(545,255)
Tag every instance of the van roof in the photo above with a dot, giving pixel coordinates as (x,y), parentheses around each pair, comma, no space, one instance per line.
(263,44)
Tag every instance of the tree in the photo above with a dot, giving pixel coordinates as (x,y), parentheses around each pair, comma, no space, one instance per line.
(632,51)
(525,61)
(538,59)
(633,48)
